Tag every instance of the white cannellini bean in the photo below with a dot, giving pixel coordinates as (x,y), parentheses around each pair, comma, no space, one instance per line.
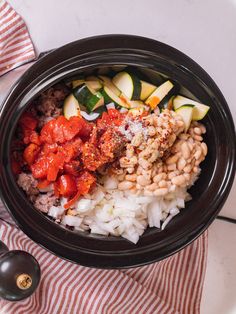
(179,180)
(197,131)
(161,192)
(172,159)
(125,185)
(162,184)
(143,181)
(181,164)
(185,150)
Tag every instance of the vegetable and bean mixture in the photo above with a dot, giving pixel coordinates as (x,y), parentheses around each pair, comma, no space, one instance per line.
(78,133)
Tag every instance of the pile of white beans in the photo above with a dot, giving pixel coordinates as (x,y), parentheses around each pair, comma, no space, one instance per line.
(168,158)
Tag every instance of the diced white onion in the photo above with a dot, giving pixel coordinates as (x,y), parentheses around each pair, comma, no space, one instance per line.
(72,221)
(110,183)
(83,205)
(123,110)
(91,116)
(110,106)
(56,211)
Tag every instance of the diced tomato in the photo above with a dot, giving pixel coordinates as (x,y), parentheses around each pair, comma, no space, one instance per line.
(15,167)
(55,163)
(72,127)
(50,148)
(56,189)
(110,118)
(115,116)
(91,157)
(34,138)
(46,134)
(104,121)
(73,167)
(43,184)
(109,144)
(30,153)
(86,130)
(26,135)
(72,149)
(67,185)
(84,183)
(61,130)
(40,168)
(72,200)
(27,121)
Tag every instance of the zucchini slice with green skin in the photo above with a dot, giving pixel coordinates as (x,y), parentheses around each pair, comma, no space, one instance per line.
(186,112)
(128,84)
(88,97)
(146,90)
(108,83)
(71,107)
(109,96)
(199,110)
(159,95)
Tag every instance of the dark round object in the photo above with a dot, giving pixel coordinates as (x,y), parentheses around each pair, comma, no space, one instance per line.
(209,193)
(19,275)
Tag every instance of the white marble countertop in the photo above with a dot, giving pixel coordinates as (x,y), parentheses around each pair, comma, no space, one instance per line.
(203,29)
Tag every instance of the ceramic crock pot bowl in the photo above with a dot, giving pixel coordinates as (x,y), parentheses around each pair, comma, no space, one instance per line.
(208,194)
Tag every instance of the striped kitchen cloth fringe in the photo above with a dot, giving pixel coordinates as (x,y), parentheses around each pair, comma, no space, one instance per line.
(16,47)
(171,286)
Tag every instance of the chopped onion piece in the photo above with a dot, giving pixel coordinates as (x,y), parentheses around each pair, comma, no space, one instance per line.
(110,106)
(72,221)
(123,110)
(91,116)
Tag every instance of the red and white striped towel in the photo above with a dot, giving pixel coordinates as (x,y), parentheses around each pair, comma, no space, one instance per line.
(16,47)
(172,286)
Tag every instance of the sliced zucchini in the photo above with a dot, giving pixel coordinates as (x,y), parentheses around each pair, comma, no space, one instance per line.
(96,85)
(159,94)
(128,84)
(199,110)
(136,103)
(88,97)
(71,107)
(186,112)
(170,103)
(109,97)
(108,83)
(146,90)
(76,83)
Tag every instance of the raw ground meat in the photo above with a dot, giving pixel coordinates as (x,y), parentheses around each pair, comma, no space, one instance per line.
(50,101)
(28,183)
(44,201)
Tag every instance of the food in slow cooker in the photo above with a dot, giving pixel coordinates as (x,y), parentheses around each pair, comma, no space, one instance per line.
(110,154)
